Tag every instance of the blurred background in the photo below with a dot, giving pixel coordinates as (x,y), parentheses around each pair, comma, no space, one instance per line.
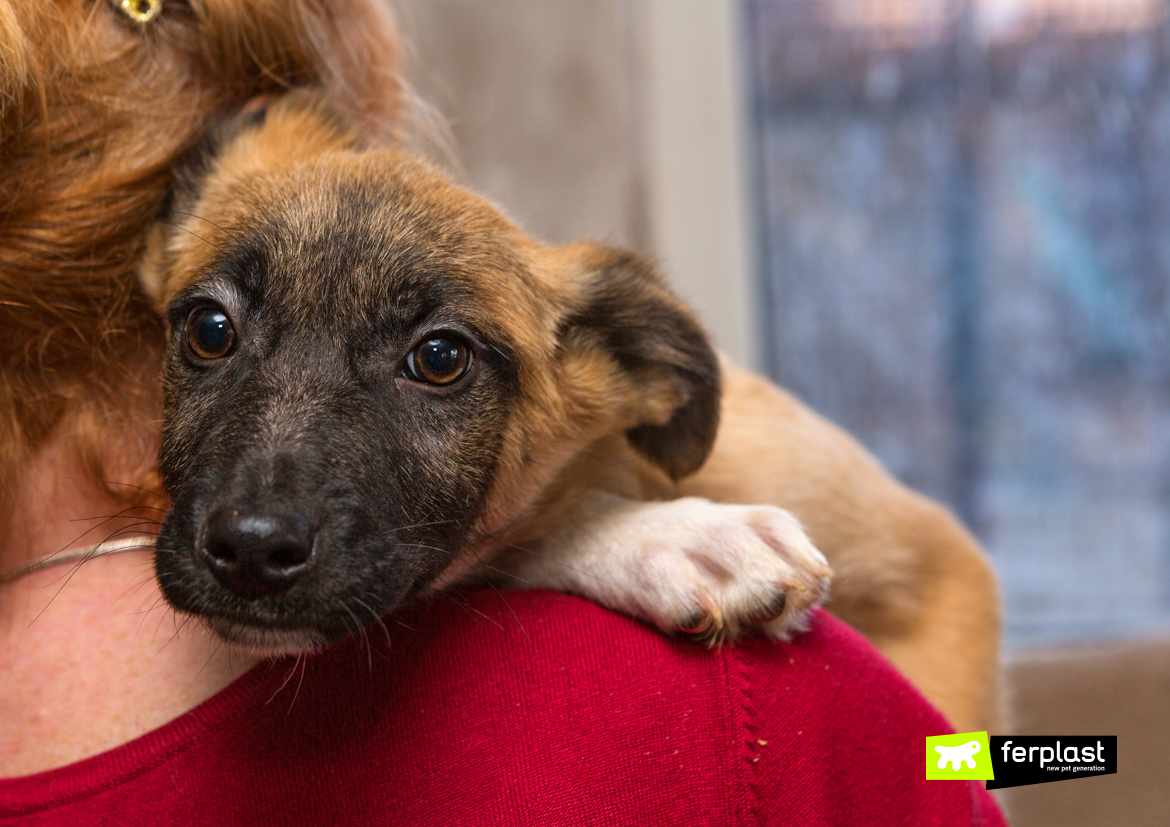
(944,224)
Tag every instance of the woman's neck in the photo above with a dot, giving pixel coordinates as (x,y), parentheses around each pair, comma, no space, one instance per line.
(90,655)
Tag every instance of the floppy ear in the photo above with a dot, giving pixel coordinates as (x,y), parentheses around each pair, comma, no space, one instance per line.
(187,177)
(655,340)
(283,129)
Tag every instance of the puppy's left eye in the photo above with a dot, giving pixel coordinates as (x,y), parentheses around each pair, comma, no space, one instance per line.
(441,359)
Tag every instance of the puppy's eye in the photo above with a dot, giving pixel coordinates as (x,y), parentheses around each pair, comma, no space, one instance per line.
(440,360)
(210,334)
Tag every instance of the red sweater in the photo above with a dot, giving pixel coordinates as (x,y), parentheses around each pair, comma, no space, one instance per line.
(538,709)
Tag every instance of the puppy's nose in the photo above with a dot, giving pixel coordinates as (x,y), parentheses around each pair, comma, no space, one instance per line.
(256,554)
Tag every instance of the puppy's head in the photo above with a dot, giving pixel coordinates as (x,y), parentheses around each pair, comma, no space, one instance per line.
(373,377)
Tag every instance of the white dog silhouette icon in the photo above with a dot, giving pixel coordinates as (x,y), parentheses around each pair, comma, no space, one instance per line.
(957,755)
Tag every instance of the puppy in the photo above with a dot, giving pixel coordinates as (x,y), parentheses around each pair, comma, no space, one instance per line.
(376,385)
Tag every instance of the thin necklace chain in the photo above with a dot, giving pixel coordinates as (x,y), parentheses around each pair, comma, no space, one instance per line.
(60,558)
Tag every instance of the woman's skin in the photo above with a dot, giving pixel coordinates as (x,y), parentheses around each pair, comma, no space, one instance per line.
(89,659)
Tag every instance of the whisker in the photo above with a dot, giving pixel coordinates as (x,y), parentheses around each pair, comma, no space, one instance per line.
(446,595)
(477,562)
(178,629)
(93,528)
(511,611)
(378,620)
(135,587)
(284,683)
(210,657)
(209,221)
(119,514)
(466,604)
(189,232)
(159,602)
(503,355)
(160,494)
(361,630)
(304,661)
(423,525)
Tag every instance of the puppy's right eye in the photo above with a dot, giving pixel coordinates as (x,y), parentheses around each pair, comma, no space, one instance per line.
(210,334)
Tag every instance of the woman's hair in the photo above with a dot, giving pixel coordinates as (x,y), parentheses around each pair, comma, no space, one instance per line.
(95,109)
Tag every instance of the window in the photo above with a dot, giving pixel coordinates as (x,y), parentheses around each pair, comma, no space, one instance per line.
(965,253)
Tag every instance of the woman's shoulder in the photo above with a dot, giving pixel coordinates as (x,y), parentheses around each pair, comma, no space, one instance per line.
(486,707)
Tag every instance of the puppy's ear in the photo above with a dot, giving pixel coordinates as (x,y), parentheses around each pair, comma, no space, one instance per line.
(187,179)
(269,133)
(662,352)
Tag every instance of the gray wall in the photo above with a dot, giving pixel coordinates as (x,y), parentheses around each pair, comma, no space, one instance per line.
(541,99)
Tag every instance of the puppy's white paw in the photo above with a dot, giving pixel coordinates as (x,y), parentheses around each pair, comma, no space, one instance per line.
(704,569)
(709,570)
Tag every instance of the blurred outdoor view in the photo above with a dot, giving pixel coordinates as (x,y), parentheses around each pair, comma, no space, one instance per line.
(965,213)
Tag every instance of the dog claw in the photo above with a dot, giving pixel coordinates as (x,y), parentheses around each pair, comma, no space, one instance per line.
(696,626)
(707,626)
(705,632)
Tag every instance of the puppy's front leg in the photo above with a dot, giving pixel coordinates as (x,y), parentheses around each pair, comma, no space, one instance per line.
(686,565)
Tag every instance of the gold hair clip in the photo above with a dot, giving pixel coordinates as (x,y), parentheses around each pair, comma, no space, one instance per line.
(140,11)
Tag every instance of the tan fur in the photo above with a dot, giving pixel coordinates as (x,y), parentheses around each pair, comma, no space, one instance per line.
(908,576)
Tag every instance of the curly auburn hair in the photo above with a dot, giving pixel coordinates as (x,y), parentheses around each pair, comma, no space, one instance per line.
(95,109)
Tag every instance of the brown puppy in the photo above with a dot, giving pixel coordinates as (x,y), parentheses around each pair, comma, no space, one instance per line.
(376,382)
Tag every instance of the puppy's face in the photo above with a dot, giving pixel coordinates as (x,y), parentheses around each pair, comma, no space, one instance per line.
(373,377)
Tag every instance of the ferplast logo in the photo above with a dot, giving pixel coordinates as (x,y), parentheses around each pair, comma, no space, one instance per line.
(958,756)
(1017,760)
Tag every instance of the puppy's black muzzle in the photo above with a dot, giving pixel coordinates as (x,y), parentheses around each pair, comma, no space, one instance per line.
(256,554)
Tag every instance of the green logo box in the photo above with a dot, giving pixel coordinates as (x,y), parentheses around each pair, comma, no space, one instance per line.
(964,755)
